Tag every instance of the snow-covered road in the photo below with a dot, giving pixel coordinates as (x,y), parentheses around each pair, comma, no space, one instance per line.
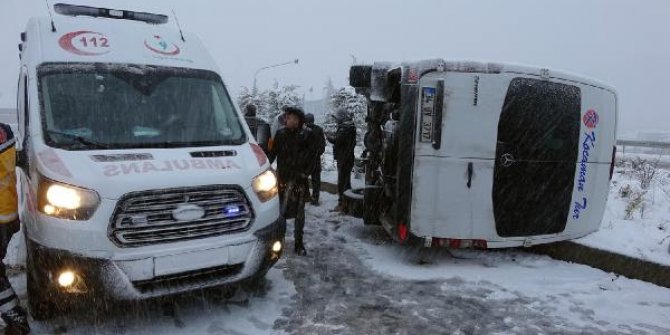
(355,281)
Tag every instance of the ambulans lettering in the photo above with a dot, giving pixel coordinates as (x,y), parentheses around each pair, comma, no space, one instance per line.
(85,43)
(168,166)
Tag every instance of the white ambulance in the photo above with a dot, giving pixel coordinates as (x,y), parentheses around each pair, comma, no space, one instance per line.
(485,155)
(138,176)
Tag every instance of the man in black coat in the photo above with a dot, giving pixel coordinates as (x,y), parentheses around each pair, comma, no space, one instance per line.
(294,149)
(344,143)
(320,147)
(259,128)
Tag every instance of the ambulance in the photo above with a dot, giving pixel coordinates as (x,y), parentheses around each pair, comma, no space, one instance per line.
(138,176)
(468,154)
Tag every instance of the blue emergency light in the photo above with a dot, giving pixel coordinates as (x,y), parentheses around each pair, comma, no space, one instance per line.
(232,210)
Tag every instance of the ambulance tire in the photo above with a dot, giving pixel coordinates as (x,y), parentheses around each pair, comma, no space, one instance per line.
(257,282)
(40,305)
(360,76)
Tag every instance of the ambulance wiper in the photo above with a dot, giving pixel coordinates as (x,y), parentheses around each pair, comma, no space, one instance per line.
(79,139)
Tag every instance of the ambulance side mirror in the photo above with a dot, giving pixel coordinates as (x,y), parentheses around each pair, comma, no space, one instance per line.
(22,160)
(21,155)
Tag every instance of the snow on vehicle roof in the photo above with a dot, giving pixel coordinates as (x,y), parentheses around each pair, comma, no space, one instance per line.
(84,39)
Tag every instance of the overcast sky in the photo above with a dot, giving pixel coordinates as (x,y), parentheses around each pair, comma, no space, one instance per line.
(623,43)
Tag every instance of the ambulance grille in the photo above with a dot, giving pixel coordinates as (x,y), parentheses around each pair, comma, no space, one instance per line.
(161,216)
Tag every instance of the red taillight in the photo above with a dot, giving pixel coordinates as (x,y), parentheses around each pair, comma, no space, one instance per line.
(402,232)
(454,244)
(613,161)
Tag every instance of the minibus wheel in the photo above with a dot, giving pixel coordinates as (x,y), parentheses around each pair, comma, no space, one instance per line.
(353,202)
(372,202)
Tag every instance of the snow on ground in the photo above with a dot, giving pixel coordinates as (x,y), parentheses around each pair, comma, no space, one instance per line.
(356,281)
(247,312)
(646,233)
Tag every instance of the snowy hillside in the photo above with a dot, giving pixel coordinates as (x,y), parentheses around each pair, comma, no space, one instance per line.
(637,220)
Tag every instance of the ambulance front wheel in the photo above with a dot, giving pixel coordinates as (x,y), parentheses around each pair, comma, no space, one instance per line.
(40,303)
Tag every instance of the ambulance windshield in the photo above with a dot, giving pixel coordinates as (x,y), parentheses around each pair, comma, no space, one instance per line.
(109,106)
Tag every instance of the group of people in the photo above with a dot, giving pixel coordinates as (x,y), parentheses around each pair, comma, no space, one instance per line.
(297,146)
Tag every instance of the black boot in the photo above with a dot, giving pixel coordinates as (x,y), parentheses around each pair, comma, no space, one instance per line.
(17,321)
(315,201)
(300,247)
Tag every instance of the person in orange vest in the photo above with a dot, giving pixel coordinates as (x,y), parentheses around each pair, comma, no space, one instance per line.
(10,310)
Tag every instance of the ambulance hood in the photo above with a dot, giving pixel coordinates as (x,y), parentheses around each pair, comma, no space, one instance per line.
(113,173)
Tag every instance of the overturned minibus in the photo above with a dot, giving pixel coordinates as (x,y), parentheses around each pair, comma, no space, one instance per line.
(485,155)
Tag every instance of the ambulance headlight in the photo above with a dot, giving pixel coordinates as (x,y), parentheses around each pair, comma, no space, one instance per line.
(66,201)
(265,185)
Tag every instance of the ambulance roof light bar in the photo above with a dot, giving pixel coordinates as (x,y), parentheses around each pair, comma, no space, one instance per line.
(76,10)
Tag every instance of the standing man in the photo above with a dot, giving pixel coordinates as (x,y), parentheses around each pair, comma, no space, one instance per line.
(10,311)
(293,148)
(344,143)
(320,143)
(259,128)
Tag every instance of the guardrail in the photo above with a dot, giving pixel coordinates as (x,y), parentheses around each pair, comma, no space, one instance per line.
(643,144)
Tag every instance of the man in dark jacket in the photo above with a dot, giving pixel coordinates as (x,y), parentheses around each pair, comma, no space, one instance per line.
(320,147)
(259,128)
(344,143)
(293,148)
